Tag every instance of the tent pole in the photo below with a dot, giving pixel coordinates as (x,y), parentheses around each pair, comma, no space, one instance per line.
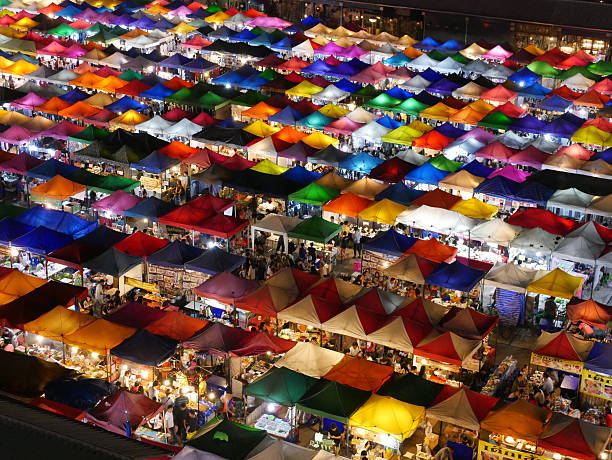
(594,278)
(108,365)
(46,268)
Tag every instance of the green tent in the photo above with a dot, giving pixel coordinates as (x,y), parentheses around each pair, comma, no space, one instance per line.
(257,30)
(333,400)
(460,58)
(583,70)
(103,37)
(383,102)
(601,68)
(277,35)
(211,101)
(443,163)
(10,210)
(227,439)
(280,385)
(315,229)
(367,92)
(437,55)
(130,75)
(269,74)
(544,69)
(496,120)
(314,194)
(89,135)
(181,96)
(411,389)
(63,30)
(250,98)
(103,184)
(5,3)
(410,106)
(212,9)
(97,28)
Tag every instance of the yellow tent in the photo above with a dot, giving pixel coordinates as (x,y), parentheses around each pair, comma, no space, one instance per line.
(420,127)
(318,140)
(461,180)
(4,62)
(20,67)
(99,336)
(384,212)
(218,18)
(467,116)
(156,9)
(182,29)
(439,111)
(318,29)
(320,40)
(58,323)
(403,135)
(24,23)
(332,110)
(16,284)
(366,188)
(304,89)
(532,49)
(406,40)
(58,188)
(387,415)
(475,209)
(334,181)
(592,135)
(267,167)
(481,106)
(128,120)
(261,129)
(13,118)
(556,283)
(38,124)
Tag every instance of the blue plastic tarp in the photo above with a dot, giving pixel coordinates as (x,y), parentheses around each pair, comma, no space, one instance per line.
(215,260)
(42,241)
(390,242)
(427,174)
(175,255)
(51,168)
(145,348)
(455,276)
(400,193)
(60,221)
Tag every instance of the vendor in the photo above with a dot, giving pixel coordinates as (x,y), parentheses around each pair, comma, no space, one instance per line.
(336,434)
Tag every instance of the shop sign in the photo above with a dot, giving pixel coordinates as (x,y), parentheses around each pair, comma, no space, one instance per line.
(575,367)
(596,384)
(488,451)
(151,287)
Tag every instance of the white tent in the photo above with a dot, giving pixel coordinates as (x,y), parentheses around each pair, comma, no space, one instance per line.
(303,312)
(393,335)
(579,249)
(347,323)
(331,93)
(462,147)
(416,84)
(263,147)
(601,206)
(536,239)
(63,76)
(498,72)
(410,156)
(470,90)
(510,276)
(184,128)
(456,410)
(423,62)
(276,449)
(578,81)
(447,66)
(571,199)
(324,455)
(477,67)
(406,268)
(275,224)
(437,220)
(310,359)
(191,453)
(237,21)
(605,259)
(588,231)
(361,115)
(542,144)
(303,49)
(116,60)
(495,231)
(142,41)
(156,125)
(372,132)
(512,140)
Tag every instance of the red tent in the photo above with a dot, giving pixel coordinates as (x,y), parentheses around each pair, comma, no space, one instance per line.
(20,164)
(553,56)
(257,343)
(211,203)
(446,347)
(590,312)
(498,94)
(134,314)
(217,339)
(356,322)
(113,411)
(59,408)
(542,218)
(176,326)
(294,64)
(392,170)
(433,140)
(496,151)
(310,311)
(511,110)
(140,244)
(437,199)
(204,119)
(133,88)
(562,345)
(379,301)
(221,225)
(422,311)
(359,373)
(225,288)
(75,254)
(176,114)
(433,250)
(565,93)
(574,438)
(334,290)
(184,217)
(468,323)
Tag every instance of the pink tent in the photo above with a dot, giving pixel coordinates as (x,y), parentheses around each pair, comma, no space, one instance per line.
(29,101)
(498,94)
(531,156)
(331,48)
(353,52)
(17,135)
(74,52)
(225,288)
(497,54)
(63,130)
(343,125)
(496,151)
(368,76)
(268,21)
(510,172)
(52,49)
(88,15)
(479,134)
(117,203)
(20,164)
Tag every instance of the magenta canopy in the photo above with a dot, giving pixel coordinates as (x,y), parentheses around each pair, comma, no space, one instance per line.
(134,314)
(225,288)
(29,101)
(63,130)
(74,51)
(479,134)
(497,54)
(352,52)
(268,21)
(17,135)
(330,48)
(117,203)
(343,125)
(510,172)
(20,164)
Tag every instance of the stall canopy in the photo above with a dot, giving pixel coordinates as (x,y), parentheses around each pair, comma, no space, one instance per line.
(411,389)
(27,376)
(556,283)
(390,242)
(347,204)
(462,407)
(600,358)
(310,311)
(280,385)
(468,322)
(14,284)
(562,345)
(589,311)
(145,348)
(510,277)
(359,373)
(117,203)
(574,437)
(174,255)
(136,315)
(150,208)
(58,188)
(225,288)
(315,229)
(446,347)
(519,419)
(57,323)
(60,221)
(310,359)
(333,400)
(226,439)
(99,336)
(455,276)
(176,326)
(216,339)
(215,260)
(113,262)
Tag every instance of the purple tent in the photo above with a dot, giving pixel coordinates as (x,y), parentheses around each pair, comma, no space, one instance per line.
(319,67)
(225,288)
(268,21)
(347,69)
(479,134)
(510,172)
(352,52)
(21,164)
(117,203)
(443,86)
(330,49)
(17,135)
(528,124)
(63,130)
(298,151)
(29,101)
(134,314)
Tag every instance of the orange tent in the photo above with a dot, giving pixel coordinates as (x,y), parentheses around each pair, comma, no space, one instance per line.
(110,84)
(359,373)
(432,140)
(128,120)
(87,80)
(519,419)
(260,111)
(412,53)
(20,67)
(99,336)
(178,150)
(432,250)
(592,99)
(439,111)
(348,204)
(177,83)
(79,110)
(289,134)
(177,326)
(590,312)
(58,188)
(15,284)
(467,115)
(53,105)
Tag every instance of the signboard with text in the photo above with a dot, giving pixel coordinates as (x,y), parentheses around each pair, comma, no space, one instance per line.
(596,384)
(575,367)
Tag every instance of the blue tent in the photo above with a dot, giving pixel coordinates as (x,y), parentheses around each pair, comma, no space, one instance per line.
(318,67)
(310,21)
(431,75)
(499,187)
(524,77)
(451,46)
(389,122)
(155,162)
(455,276)
(231,123)
(606,156)
(83,394)
(42,241)
(144,23)
(287,116)
(262,39)
(528,124)
(400,193)
(51,168)
(159,92)
(223,33)
(477,168)
(346,85)
(175,255)
(533,192)
(150,208)
(444,86)
(450,131)
(174,62)
(124,104)
(11,229)
(228,78)
(301,175)
(315,120)
(253,82)
(215,260)
(163,25)
(74,96)
(198,64)
(600,358)
(145,348)
(562,127)
(554,104)
(243,36)
(534,91)
(102,237)
(282,45)
(426,98)
(399,60)
(389,242)
(347,69)
(362,163)
(59,221)
(68,12)
(398,93)
(427,43)
(427,174)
